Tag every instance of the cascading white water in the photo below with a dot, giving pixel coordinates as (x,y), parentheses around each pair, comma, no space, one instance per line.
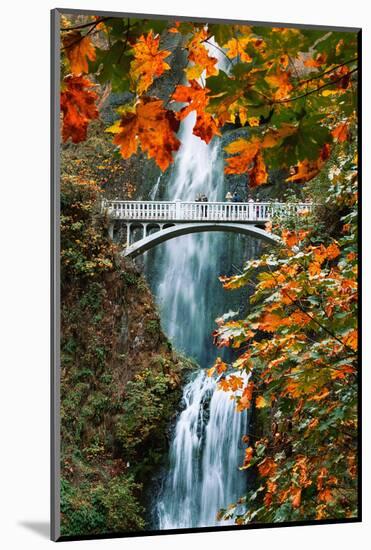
(204,458)
(206,451)
(188,264)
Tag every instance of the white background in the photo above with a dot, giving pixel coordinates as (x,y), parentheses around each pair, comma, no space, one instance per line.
(24,273)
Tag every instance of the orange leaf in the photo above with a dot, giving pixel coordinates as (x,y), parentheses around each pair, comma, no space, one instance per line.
(148,61)
(246,152)
(235,382)
(319,396)
(306,170)
(291,238)
(295,496)
(151,126)
(268,498)
(249,453)
(261,402)
(258,173)
(299,318)
(351,339)
(313,423)
(236,48)
(317,62)
(199,55)
(224,384)
(210,371)
(220,366)
(281,83)
(197,99)
(244,401)
(342,371)
(270,322)
(332,251)
(78,107)
(253,121)
(78,49)
(267,467)
(325,495)
(341,132)
(314,269)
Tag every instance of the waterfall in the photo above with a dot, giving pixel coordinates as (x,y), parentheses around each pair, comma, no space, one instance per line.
(204,458)
(188,263)
(206,451)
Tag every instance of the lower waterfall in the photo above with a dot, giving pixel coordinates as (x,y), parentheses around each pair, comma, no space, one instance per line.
(204,458)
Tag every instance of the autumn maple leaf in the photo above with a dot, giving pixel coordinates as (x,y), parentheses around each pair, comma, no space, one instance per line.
(197,98)
(249,453)
(280,81)
(261,402)
(244,402)
(78,49)
(341,132)
(148,61)
(236,48)
(248,159)
(245,152)
(316,62)
(199,56)
(306,169)
(258,173)
(150,126)
(78,107)
(267,467)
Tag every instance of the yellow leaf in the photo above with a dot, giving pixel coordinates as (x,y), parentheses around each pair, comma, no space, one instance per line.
(253,121)
(351,339)
(148,61)
(235,48)
(261,402)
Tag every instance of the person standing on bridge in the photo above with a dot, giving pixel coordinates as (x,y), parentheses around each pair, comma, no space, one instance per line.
(250,208)
(229,197)
(204,208)
(257,207)
(199,209)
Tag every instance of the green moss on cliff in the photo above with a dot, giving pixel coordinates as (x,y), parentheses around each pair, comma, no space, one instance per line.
(120,380)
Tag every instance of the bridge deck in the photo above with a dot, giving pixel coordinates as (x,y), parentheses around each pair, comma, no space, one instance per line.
(188,211)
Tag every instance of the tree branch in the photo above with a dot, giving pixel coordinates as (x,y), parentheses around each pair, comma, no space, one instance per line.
(328,71)
(92,23)
(287,100)
(220,49)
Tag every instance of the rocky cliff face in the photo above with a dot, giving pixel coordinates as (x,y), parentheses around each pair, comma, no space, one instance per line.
(120,378)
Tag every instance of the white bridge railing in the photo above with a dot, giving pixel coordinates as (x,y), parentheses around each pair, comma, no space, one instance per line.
(186,211)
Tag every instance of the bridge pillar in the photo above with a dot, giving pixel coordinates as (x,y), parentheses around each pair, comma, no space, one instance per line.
(145,230)
(110,229)
(128,225)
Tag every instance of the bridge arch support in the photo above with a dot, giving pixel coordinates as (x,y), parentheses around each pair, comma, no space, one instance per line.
(177,230)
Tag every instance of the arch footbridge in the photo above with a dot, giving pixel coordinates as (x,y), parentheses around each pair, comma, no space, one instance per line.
(149,223)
